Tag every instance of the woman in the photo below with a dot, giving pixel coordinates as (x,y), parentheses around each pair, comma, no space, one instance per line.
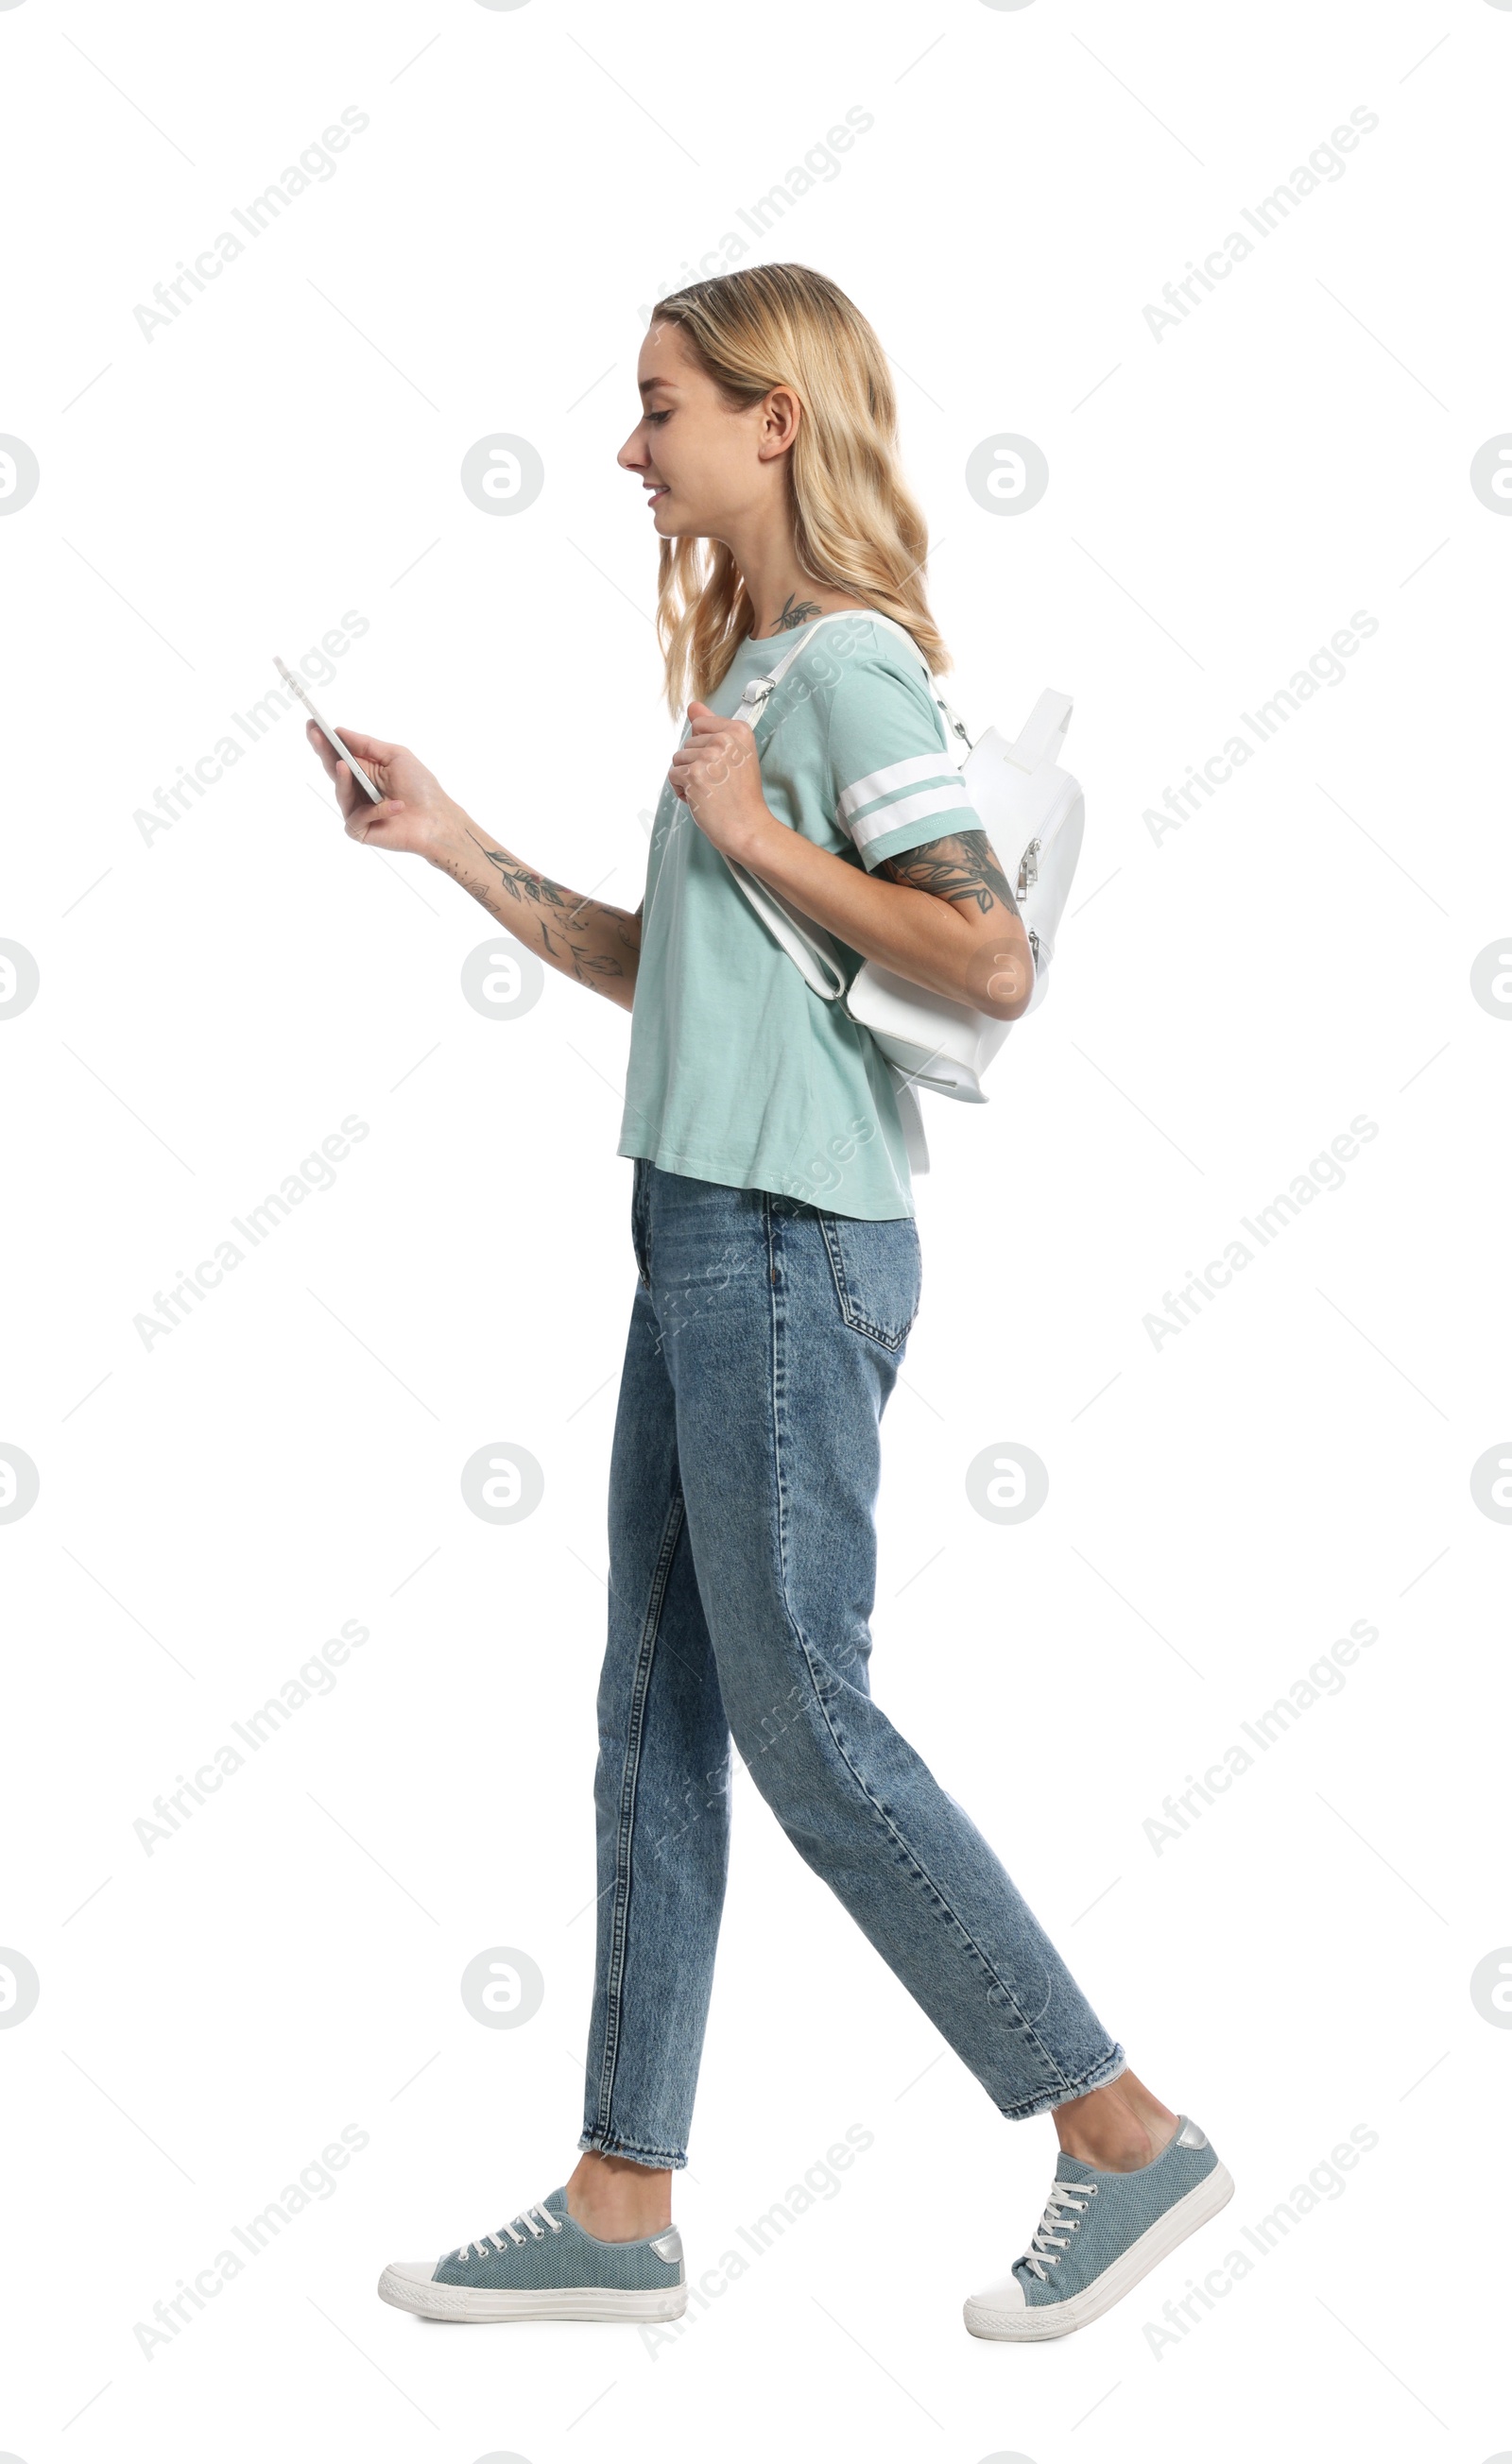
(778,1276)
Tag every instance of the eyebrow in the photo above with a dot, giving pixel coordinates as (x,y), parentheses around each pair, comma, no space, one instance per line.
(648,384)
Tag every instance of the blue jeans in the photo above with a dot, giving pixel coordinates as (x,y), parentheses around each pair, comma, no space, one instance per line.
(765,1340)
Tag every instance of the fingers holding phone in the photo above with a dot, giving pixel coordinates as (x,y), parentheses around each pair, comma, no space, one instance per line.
(413,812)
(386,797)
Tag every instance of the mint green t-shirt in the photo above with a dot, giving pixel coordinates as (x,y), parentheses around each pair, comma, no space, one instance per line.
(737,1073)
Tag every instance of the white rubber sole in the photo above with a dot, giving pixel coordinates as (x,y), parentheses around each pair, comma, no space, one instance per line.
(467,2303)
(1038,2326)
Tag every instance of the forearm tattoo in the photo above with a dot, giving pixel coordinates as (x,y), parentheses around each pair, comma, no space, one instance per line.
(963,869)
(579,935)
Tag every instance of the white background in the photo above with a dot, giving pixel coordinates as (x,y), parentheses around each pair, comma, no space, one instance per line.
(214,1002)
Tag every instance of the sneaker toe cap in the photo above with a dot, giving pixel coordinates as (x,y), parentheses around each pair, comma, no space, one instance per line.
(1007,2294)
(412,2270)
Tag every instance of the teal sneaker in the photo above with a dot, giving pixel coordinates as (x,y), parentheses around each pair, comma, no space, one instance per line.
(1100,2234)
(544,2266)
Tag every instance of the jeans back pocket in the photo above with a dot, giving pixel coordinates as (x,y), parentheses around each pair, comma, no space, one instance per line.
(877,1271)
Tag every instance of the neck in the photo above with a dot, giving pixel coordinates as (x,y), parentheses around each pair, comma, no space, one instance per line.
(798,608)
(782,596)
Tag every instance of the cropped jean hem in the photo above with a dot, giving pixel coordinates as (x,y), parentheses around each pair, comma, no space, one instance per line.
(602,2142)
(1102,2073)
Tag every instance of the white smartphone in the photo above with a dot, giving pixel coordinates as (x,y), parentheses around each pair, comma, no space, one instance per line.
(374,794)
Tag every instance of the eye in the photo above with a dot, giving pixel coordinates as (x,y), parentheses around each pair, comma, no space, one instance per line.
(655,418)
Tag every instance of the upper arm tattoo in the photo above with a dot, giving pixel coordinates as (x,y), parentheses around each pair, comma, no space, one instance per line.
(961,868)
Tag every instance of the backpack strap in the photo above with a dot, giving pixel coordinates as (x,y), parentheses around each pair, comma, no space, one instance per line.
(758,692)
(813,951)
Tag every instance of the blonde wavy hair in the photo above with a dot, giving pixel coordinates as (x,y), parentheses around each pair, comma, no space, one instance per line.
(855,526)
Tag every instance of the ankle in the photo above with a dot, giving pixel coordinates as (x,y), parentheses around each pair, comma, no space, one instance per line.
(1118,2129)
(1123,2150)
(617,2200)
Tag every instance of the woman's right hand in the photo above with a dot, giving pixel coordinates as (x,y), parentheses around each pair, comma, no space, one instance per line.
(416,816)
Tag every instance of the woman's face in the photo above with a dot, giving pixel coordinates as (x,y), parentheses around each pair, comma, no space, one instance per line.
(705,466)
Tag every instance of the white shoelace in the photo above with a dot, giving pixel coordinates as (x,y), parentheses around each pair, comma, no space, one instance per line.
(1066,2204)
(487,2242)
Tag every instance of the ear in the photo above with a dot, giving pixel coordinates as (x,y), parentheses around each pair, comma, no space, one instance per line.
(781,413)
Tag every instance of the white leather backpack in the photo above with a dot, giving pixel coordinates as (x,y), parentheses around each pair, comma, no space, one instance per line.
(1032,810)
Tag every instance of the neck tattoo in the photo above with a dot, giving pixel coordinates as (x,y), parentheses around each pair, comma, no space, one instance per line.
(794,615)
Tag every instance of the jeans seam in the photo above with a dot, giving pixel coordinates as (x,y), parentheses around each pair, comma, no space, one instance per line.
(619,1914)
(796,1629)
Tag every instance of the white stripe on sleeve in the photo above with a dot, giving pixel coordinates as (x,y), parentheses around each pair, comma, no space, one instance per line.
(912,808)
(898,773)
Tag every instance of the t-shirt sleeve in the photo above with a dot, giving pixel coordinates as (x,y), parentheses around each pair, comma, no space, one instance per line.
(893,784)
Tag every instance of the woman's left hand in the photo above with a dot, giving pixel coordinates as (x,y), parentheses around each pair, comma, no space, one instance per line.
(717,773)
